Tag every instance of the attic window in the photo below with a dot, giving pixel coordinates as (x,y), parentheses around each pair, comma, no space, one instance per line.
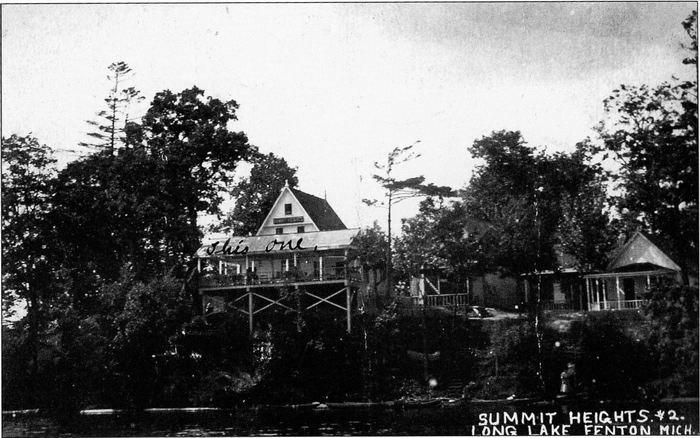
(300,229)
(279,230)
(287,209)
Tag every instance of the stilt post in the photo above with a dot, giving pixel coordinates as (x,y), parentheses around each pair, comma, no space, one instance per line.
(250,310)
(348,301)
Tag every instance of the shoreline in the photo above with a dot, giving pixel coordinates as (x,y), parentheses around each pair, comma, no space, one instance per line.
(438,402)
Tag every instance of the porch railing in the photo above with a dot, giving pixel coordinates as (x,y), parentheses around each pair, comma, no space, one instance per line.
(208,280)
(442,300)
(620,305)
(554,306)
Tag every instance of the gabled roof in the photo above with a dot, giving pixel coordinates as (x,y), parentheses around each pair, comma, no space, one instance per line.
(320,211)
(639,251)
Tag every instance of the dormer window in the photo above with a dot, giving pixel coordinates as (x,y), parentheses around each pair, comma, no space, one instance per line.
(287,209)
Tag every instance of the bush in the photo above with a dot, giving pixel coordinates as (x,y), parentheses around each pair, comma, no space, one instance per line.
(613,359)
(673,315)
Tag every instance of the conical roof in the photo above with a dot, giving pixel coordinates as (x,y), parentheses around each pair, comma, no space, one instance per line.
(638,251)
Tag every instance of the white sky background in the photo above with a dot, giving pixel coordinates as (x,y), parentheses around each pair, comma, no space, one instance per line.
(334,87)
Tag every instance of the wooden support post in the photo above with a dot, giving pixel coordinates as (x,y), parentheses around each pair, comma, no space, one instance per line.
(320,268)
(221,267)
(286,264)
(648,283)
(588,293)
(527,290)
(299,308)
(617,286)
(348,295)
(250,310)
(199,264)
(605,298)
(295,260)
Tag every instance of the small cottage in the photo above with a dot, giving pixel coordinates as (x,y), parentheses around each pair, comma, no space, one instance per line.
(636,266)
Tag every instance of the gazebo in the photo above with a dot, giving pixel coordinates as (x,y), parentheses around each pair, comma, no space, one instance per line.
(638,264)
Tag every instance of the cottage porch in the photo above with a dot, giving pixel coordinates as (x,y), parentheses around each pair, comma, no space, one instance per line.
(621,290)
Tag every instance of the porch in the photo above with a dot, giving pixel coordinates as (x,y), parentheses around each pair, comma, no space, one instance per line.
(621,290)
(275,270)
(441,300)
(436,292)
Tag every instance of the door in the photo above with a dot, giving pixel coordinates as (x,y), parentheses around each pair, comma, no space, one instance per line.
(628,288)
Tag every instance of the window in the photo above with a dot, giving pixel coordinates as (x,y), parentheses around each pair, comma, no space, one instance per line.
(279,230)
(287,209)
(300,229)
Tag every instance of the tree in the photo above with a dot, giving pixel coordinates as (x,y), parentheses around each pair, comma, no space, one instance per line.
(537,205)
(256,194)
(111,130)
(139,207)
(651,133)
(585,230)
(418,248)
(508,191)
(151,317)
(398,190)
(27,174)
(187,135)
(108,213)
(440,237)
(369,249)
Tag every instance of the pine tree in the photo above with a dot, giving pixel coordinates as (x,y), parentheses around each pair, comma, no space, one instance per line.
(112,122)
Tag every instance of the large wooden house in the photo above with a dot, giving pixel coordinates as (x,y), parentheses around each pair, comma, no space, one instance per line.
(297,261)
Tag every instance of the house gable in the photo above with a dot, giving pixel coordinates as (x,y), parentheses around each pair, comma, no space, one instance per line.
(641,251)
(288,214)
(293,209)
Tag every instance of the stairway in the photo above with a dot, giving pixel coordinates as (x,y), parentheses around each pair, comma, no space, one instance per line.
(454,388)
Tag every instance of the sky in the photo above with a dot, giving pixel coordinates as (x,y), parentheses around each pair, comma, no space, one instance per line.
(333,88)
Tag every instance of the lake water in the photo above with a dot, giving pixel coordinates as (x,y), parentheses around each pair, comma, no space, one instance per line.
(680,417)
